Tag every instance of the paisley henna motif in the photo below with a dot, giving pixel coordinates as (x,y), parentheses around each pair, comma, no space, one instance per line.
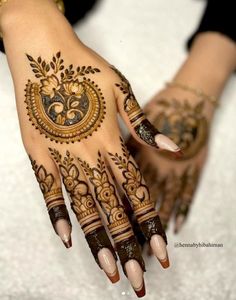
(53,196)
(82,204)
(65,106)
(118,222)
(143,128)
(138,194)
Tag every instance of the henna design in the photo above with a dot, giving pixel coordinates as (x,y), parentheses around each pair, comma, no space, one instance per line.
(184,124)
(190,179)
(143,128)
(82,204)
(65,106)
(138,193)
(52,195)
(118,222)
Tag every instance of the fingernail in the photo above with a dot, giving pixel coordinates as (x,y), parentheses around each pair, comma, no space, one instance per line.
(158,246)
(135,276)
(108,264)
(179,223)
(163,142)
(63,229)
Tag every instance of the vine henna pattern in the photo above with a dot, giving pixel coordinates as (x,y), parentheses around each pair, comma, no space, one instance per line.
(82,204)
(143,128)
(138,194)
(53,195)
(118,222)
(65,105)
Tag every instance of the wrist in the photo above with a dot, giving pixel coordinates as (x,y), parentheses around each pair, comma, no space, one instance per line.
(211,61)
(14,13)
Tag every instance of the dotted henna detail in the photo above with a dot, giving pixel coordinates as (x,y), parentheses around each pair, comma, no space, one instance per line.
(65,106)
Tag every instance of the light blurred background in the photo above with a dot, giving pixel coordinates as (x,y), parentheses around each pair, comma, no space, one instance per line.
(146,40)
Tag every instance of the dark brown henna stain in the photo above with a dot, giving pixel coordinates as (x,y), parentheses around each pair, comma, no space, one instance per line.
(53,196)
(118,222)
(138,194)
(185,124)
(65,106)
(143,128)
(82,204)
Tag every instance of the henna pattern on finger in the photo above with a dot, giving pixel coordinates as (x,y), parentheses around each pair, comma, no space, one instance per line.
(138,194)
(118,222)
(143,128)
(53,195)
(82,204)
(185,124)
(190,180)
(64,105)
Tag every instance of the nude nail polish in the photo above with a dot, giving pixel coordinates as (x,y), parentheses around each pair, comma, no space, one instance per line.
(158,246)
(163,142)
(108,264)
(63,229)
(135,276)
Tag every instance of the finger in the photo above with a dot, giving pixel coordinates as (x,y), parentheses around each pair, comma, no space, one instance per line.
(84,207)
(141,129)
(131,180)
(49,181)
(190,180)
(117,221)
(171,191)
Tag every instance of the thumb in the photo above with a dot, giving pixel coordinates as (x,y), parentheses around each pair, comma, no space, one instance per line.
(132,114)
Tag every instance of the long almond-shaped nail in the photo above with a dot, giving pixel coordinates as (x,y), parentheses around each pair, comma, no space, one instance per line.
(163,142)
(135,276)
(108,264)
(63,229)
(158,246)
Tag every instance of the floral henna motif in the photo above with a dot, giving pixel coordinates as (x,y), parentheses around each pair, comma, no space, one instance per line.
(184,124)
(52,195)
(65,106)
(143,128)
(82,204)
(118,222)
(138,193)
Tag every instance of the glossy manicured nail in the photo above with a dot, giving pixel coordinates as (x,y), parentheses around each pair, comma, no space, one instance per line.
(108,264)
(158,246)
(163,142)
(135,276)
(63,229)
(179,223)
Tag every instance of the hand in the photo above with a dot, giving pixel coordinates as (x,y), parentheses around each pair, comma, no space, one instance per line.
(185,118)
(68,98)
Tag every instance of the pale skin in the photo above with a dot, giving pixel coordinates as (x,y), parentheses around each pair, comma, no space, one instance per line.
(211,61)
(44,38)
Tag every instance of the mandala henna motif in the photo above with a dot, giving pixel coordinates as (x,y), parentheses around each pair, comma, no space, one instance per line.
(52,195)
(184,124)
(82,204)
(118,222)
(143,128)
(65,106)
(138,193)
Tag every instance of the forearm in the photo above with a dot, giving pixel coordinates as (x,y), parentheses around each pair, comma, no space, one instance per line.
(211,61)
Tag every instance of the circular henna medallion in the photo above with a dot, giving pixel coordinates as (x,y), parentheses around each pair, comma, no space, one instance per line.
(186,125)
(65,111)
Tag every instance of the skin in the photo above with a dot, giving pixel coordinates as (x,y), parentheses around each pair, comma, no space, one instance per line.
(52,81)
(211,61)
